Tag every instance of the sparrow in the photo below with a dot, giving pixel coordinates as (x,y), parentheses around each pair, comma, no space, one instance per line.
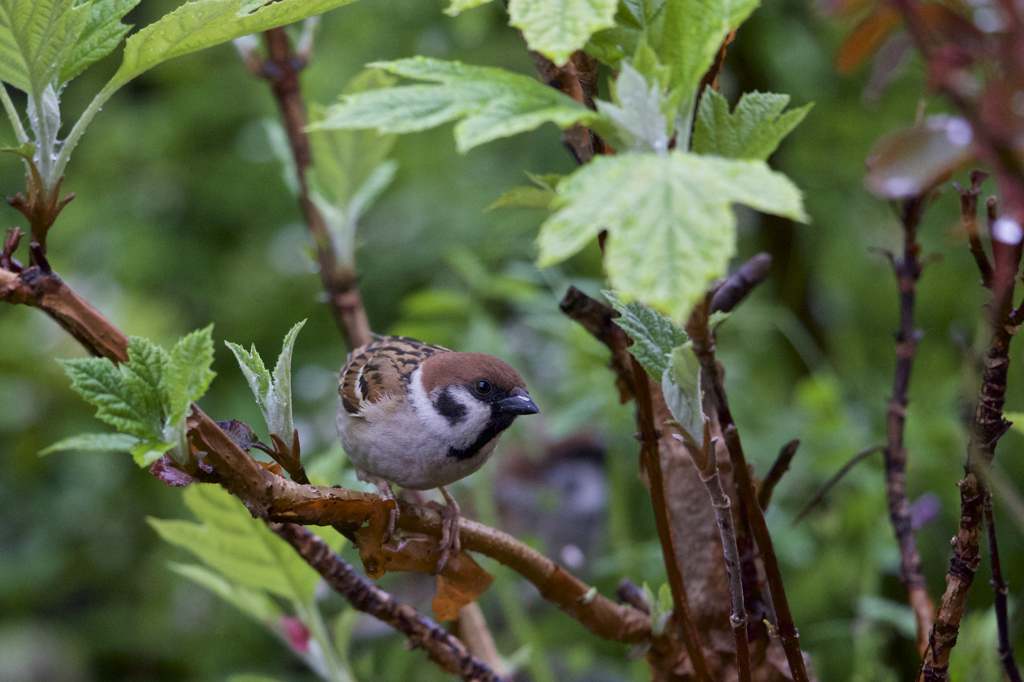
(423,416)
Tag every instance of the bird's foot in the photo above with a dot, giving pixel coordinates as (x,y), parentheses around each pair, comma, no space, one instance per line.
(386,493)
(451,545)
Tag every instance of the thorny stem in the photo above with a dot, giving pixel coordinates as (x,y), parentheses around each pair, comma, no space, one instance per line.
(651,458)
(908,270)
(704,348)
(282,70)
(447,651)
(969,218)
(1004,648)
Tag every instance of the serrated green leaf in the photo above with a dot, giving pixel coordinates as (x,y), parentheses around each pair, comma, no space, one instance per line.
(204,23)
(671,227)
(654,336)
(36,38)
(681,386)
(144,378)
(281,424)
(638,114)
(492,103)
(524,197)
(101,385)
(253,603)
(752,131)
(188,371)
(558,28)
(253,369)
(240,547)
(94,442)
(457,6)
(102,33)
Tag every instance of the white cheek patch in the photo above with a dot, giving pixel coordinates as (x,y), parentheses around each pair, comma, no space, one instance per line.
(464,431)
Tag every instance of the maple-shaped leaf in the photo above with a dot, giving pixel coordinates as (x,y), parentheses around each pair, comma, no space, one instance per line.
(752,131)
(671,227)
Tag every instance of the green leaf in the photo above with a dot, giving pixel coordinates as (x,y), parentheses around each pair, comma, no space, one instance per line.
(100,384)
(188,371)
(240,547)
(524,197)
(254,603)
(638,114)
(654,336)
(94,442)
(273,393)
(204,23)
(558,28)
(102,33)
(681,386)
(493,103)
(671,228)
(693,32)
(36,39)
(144,378)
(148,451)
(752,131)
(27,150)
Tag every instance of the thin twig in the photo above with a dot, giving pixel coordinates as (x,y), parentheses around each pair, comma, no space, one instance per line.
(704,348)
(907,270)
(845,469)
(651,458)
(987,428)
(704,459)
(969,218)
(340,284)
(779,467)
(444,648)
(739,284)
(1005,648)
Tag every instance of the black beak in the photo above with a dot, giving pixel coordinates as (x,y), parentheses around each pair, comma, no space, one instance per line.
(518,402)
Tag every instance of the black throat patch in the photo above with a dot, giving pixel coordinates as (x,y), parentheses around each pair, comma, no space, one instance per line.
(499,421)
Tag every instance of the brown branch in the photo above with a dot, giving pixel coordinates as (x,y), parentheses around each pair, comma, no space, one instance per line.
(704,348)
(704,459)
(442,647)
(275,498)
(579,139)
(740,283)
(650,457)
(598,319)
(1005,648)
(969,218)
(907,270)
(340,283)
(987,428)
(779,467)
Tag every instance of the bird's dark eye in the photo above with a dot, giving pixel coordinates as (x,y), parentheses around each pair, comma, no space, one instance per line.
(483,387)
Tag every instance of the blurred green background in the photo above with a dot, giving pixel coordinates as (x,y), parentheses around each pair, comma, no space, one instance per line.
(181,219)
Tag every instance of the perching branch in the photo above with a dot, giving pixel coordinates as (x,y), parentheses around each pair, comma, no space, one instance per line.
(704,348)
(340,283)
(907,269)
(443,648)
(275,498)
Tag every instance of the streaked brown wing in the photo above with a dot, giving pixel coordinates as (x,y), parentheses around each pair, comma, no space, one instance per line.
(381,368)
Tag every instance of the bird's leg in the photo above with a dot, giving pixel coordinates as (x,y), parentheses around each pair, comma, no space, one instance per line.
(451,545)
(386,493)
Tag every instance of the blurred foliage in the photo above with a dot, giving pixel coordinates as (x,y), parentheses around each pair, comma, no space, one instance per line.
(181,220)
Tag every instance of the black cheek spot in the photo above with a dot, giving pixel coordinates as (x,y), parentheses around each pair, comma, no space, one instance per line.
(450,408)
